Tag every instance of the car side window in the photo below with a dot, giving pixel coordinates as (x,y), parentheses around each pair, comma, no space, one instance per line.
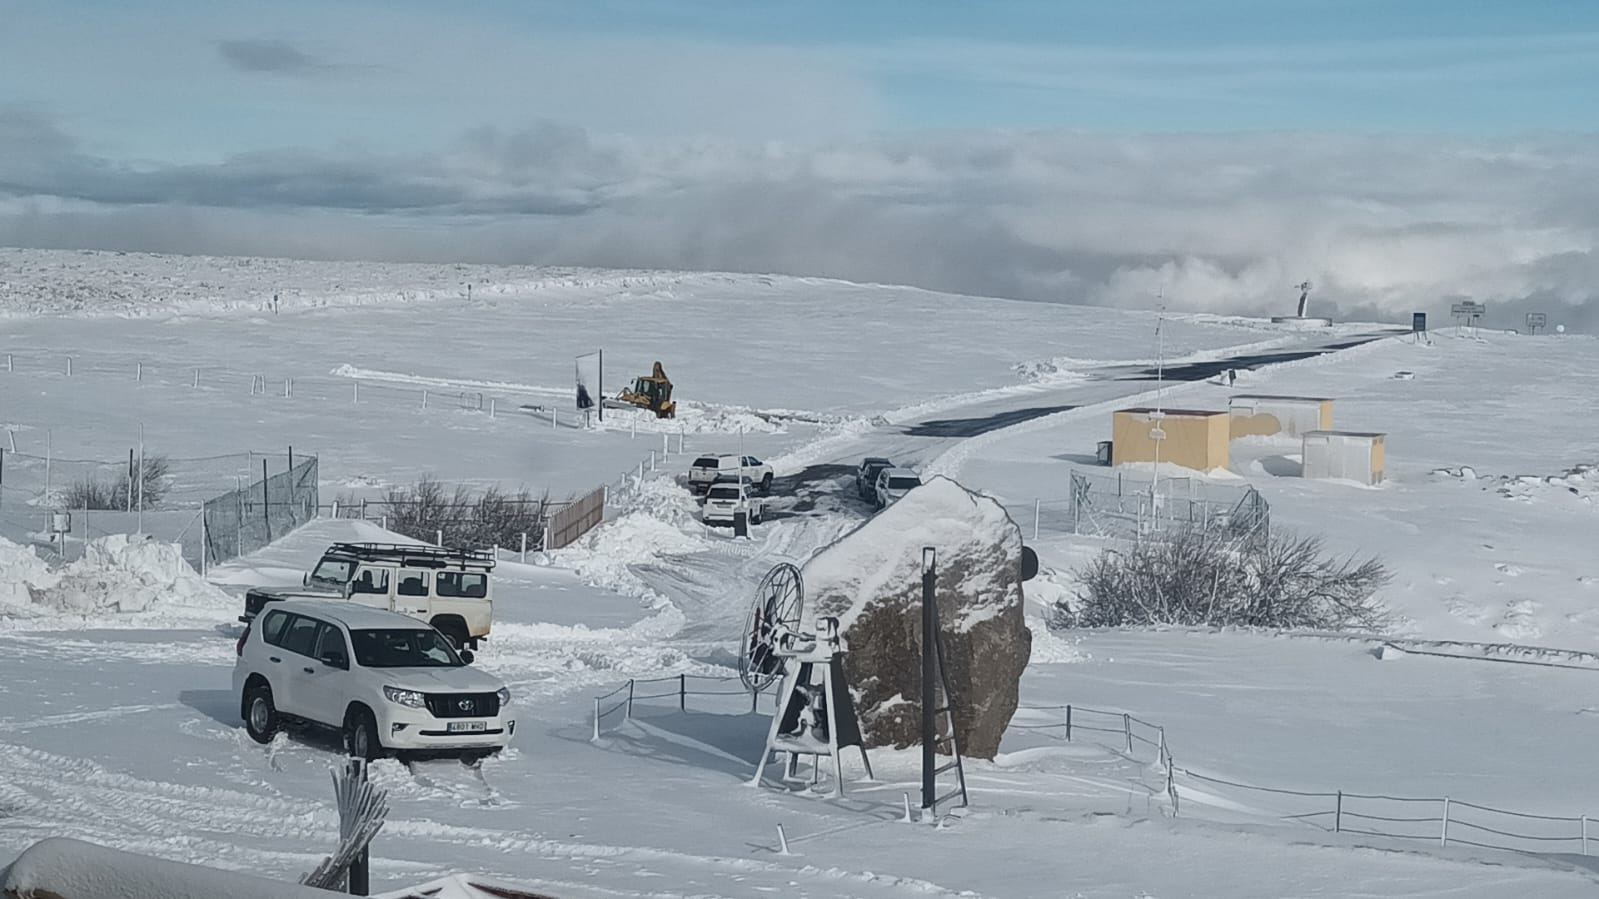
(272,627)
(466,584)
(371,580)
(301,635)
(413,583)
(330,639)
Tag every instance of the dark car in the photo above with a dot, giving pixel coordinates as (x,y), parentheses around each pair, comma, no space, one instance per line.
(866,476)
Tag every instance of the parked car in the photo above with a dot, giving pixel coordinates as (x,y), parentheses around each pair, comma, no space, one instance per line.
(447,588)
(706,469)
(385,680)
(722,501)
(893,483)
(866,476)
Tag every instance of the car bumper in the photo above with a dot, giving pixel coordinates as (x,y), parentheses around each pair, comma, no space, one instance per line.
(407,728)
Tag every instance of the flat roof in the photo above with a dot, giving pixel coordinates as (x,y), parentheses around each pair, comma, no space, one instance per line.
(1181,412)
(1273,396)
(1344,434)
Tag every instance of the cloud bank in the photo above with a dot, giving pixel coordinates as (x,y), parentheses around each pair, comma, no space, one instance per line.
(1223,223)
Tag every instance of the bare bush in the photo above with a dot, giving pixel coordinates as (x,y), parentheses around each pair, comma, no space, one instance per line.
(428,509)
(1199,577)
(149,488)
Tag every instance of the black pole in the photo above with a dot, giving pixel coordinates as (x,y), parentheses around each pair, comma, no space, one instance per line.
(929,672)
(266,501)
(291,457)
(361,867)
(601,385)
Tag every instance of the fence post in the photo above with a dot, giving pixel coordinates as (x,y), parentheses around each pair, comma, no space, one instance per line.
(1338,814)
(355,391)
(1584,834)
(666,444)
(491,407)
(629,713)
(1037,506)
(424,397)
(596,719)
(205,542)
(652,460)
(196,384)
(641,470)
(523,558)
(682,432)
(1443,837)
(383,522)
(682,692)
(69,366)
(438,537)
(1068,724)
(138,371)
(8,363)
(1127,728)
(553,414)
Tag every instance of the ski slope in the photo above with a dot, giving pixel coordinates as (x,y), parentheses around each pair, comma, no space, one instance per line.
(120,728)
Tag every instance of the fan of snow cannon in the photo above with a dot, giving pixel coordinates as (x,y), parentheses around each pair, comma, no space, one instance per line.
(774,617)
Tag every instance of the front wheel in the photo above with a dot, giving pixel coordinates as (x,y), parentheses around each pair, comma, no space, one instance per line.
(361,735)
(260,714)
(766,484)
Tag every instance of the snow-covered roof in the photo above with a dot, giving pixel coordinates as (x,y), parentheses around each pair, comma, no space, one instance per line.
(63,868)
(350,614)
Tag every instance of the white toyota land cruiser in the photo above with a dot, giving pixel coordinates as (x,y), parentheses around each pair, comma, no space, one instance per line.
(386,680)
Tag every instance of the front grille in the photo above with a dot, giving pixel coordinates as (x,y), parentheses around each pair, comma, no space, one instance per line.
(448,705)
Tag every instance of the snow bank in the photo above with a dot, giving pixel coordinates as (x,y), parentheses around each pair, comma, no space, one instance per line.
(116,574)
(655,518)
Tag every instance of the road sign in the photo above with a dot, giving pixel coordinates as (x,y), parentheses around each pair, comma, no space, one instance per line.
(1468,309)
(1418,322)
(1536,320)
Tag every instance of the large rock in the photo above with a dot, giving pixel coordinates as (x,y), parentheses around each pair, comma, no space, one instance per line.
(870,579)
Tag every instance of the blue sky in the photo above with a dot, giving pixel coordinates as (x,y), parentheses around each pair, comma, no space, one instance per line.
(1398,153)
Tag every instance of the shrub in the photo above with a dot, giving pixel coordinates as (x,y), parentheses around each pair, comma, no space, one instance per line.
(151,486)
(466,519)
(1199,577)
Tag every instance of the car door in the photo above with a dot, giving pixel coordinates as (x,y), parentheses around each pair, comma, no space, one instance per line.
(411,593)
(320,683)
(371,587)
(287,663)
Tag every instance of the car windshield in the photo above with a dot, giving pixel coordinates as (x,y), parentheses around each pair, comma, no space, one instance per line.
(904,483)
(403,648)
(724,493)
(333,571)
(705,462)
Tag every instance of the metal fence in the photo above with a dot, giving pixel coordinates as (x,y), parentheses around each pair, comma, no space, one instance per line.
(252,515)
(1121,507)
(1421,820)
(149,493)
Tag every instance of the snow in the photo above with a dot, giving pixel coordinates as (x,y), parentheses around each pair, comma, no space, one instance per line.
(116,574)
(888,549)
(74,869)
(117,724)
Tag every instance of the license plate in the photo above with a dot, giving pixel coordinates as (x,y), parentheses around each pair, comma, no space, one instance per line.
(466,727)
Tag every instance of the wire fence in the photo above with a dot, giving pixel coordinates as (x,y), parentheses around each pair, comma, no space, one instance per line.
(252,515)
(1121,507)
(57,505)
(1443,821)
(616,707)
(344,386)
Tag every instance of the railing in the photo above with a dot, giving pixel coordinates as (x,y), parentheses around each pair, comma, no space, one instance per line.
(1130,731)
(630,693)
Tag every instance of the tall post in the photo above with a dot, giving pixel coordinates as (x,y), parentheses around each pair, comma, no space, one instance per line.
(599,404)
(361,866)
(1584,834)
(929,674)
(266,501)
(130,480)
(140,479)
(1338,813)
(47,465)
(1037,508)
(205,542)
(1443,836)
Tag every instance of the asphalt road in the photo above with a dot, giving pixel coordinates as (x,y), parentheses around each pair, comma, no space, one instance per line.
(831,484)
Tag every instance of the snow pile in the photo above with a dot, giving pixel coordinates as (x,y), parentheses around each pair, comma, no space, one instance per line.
(62,867)
(1581,482)
(21,571)
(116,574)
(696,418)
(652,520)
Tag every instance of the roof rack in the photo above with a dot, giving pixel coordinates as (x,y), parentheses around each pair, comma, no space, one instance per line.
(420,556)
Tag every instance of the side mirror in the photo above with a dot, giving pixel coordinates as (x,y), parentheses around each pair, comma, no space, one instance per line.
(335,660)
(467,656)
(305,579)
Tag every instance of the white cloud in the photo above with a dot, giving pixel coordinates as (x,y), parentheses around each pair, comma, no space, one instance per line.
(1382,225)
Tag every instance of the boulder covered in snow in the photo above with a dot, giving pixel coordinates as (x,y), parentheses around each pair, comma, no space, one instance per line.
(870,579)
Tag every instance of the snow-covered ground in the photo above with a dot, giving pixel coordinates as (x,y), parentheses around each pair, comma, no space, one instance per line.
(118,726)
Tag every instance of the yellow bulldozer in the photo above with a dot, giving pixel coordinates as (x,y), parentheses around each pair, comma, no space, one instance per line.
(652,392)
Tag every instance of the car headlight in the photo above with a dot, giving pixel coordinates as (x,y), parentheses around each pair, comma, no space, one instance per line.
(410,698)
(504,695)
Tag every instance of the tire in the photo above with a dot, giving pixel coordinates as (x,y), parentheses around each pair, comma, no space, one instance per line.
(361,735)
(260,714)
(455,632)
(766,485)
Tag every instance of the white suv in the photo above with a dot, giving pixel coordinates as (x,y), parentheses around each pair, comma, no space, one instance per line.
(707,469)
(722,502)
(387,680)
(893,483)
